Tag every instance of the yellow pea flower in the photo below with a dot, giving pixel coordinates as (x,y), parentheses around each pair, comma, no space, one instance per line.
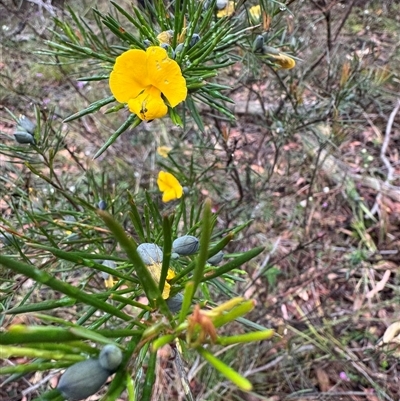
(142,79)
(227,11)
(283,61)
(155,271)
(169,186)
(163,151)
(255,13)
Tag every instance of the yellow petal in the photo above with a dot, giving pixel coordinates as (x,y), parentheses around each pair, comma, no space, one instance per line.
(163,151)
(155,271)
(284,61)
(148,105)
(129,76)
(227,11)
(169,186)
(255,13)
(165,74)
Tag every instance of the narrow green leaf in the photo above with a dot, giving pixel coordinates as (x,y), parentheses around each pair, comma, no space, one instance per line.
(58,285)
(187,301)
(92,108)
(167,234)
(150,377)
(206,230)
(246,338)
(226,370)
(132,121)
(7,351)
(233,264)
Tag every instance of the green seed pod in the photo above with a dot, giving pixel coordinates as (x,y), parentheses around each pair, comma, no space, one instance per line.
(175,303)
(150,253)
(216,259)
(82,379)
(186,245)
(110,357)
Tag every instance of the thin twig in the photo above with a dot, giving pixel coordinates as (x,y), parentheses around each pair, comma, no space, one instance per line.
(384,159)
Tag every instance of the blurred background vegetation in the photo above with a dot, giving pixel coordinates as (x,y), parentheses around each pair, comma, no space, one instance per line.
(311,159)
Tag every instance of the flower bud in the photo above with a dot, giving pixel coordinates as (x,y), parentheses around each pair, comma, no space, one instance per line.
(258,44)
(216,259)
(111,265)
(194,39)
(82,379)
(8,239)
(221,4)
(186,245)
(174,255)
(26,124)
(179,48)
(147,43)
(175,303)
(150,253)
(102,205)
(110,357)
(23,137)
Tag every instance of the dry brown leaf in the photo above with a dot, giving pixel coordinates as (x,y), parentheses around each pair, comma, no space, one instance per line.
(323,380)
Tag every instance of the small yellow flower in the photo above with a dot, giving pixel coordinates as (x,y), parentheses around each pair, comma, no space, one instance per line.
(163,151)
(142,79)
(110,282)
(283,61)
(255,13)
(227,11)
(155,271)
(169,186)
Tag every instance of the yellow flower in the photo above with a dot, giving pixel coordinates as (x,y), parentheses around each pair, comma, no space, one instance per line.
(110,282)
(169,186)
(227,11)
(255,13)
(155,271)
(282,60)
(163,151)
(143,78)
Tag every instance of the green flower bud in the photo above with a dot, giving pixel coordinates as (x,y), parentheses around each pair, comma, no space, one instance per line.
(110,357)
(174,255)
(82,379)
(150,253)
(175,303)
(186,245)
(216,259)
